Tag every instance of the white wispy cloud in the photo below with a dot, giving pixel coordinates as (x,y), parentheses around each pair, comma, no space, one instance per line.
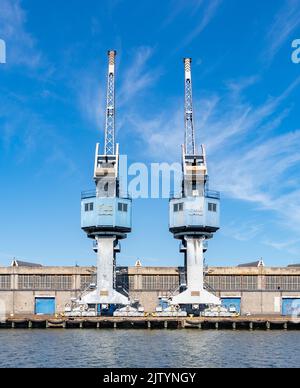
(208,12)
(178,7)
(138,76)
(25,133)
(242,232)
(238,86)
(161,134)
(21,45)
(285,22)
(289,246)
(132,81)
(250,153)
(91,97)
(199,13)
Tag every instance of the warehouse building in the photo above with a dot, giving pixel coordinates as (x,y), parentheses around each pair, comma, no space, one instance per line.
(27,288)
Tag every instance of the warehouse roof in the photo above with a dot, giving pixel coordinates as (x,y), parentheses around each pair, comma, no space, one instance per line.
(19,263)
(255,264)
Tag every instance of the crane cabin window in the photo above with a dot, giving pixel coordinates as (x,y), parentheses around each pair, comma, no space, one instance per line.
(122,207)
(89,207)
(212,207)
(178,207)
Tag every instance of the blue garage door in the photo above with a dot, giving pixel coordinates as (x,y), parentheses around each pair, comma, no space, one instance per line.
(291,306)
(45,306)
(230,302)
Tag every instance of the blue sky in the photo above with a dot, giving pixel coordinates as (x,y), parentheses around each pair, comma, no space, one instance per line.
(246,98)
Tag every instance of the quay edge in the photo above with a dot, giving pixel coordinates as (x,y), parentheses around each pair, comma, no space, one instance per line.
(232,323)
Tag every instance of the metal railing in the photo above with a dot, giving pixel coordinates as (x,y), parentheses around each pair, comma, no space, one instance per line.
(212,194)
(88,194)
(93,194)
(208,194)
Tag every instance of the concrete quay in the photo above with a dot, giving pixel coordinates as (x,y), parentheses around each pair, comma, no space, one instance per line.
(251,323)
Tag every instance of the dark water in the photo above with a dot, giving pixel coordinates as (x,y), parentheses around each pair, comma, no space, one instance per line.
(145,348)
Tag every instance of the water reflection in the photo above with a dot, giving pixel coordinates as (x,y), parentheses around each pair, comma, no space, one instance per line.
(144,348)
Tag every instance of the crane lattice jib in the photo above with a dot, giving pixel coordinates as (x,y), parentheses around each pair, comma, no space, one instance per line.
(190,144)
(110,106)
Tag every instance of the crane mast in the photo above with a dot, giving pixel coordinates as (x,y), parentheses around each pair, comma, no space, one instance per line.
(190,142)
(109,148)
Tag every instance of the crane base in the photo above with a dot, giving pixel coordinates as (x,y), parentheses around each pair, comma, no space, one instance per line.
(199,297)
(107,297)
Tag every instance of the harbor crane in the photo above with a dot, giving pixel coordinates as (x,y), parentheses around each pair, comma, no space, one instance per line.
(106,215)
(194,213)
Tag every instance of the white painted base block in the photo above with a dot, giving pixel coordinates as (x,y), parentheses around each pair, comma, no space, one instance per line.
(111,297)
(196,297)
